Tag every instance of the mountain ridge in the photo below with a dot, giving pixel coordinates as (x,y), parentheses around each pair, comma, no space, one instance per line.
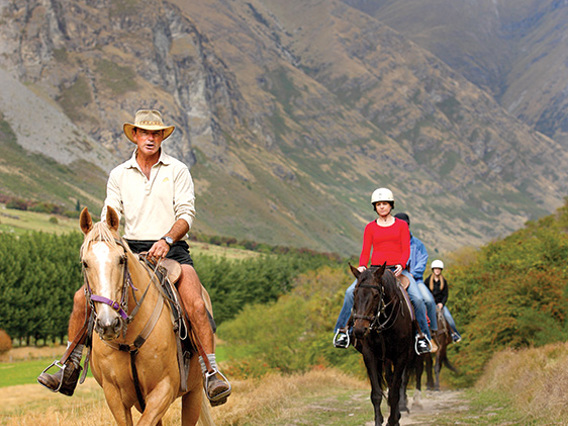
(290,115)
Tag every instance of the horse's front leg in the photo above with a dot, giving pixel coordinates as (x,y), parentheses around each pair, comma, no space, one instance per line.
(437,368)
(429,375)
(419,370)
(394,390)
(375,371)
(403,400)
(121,413)
(157,402)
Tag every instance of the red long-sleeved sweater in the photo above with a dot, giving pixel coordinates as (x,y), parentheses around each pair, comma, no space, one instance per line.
(390,244)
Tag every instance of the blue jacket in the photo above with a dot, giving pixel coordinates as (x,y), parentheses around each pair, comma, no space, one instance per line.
(418,258)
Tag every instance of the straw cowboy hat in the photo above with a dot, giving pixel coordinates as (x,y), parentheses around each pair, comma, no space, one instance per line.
(148,120)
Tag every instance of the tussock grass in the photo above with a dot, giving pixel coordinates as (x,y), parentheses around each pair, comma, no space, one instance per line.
(533,380)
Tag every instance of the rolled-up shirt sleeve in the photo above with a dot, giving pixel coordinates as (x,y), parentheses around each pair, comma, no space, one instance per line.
(184,197)
(113,198)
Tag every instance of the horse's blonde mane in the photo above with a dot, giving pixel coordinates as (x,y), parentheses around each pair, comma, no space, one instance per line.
(100,232)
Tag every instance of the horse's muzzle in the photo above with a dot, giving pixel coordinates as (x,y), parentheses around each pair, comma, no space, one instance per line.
(360,330)
(108,327)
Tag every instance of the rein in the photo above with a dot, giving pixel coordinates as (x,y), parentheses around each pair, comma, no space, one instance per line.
(122,307)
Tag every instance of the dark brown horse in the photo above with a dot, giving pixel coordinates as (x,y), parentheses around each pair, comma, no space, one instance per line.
(444,339)
(384,334)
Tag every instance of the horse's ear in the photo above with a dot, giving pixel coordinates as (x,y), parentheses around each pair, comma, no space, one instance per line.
(380,270)
(355,271)
(112,218)
(86,221)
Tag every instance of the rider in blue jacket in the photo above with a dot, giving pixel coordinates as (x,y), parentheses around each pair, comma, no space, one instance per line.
(417,265)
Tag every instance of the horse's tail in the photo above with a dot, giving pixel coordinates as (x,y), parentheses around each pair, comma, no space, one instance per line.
(448,364)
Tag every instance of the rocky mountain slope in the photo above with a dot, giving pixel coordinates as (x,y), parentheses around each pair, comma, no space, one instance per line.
(514,48)
(288,113)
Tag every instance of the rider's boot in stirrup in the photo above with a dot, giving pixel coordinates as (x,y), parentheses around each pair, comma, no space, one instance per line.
(341,339)
(422,344)
(217,387)
(434,345)
(64,380)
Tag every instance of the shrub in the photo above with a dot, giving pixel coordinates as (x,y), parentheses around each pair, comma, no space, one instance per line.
(5,342)
(17,204)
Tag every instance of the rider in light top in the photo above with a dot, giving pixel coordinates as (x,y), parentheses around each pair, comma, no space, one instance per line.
(389,240)
(438,285)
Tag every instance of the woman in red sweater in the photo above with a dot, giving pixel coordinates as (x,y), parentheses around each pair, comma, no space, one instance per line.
(388,238)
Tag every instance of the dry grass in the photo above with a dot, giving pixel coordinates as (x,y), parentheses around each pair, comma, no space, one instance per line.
(26,353)
(253,402)
(534,380)
(229,253)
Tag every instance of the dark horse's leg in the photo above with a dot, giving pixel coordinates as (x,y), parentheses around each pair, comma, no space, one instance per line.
(394,389)
(375,371)
(418,363)
(429,375)
(403,399)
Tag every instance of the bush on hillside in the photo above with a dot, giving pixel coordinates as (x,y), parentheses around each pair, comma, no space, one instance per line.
(512,295)
(5,342)
(17,204)
(293,334)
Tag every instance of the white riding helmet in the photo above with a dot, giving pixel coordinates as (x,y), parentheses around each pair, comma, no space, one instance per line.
(437,264)
(382,194)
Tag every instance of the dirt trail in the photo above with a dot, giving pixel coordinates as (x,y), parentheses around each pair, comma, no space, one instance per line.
(427,409)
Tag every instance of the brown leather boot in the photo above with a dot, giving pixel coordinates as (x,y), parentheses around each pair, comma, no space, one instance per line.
(434,346)
(218,390)
(64,381)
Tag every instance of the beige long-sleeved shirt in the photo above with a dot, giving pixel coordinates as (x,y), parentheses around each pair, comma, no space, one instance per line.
(151,206)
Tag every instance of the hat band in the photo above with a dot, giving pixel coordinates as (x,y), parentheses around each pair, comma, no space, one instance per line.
(149,123)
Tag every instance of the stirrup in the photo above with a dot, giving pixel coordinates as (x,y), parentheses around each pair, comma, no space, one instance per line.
(62,368)
(416,343)
(219,397)
(346,333)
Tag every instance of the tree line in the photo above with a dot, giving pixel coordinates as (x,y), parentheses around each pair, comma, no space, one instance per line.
(40,272)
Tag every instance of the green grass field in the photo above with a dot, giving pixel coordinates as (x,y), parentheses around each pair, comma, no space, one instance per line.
(25,372)
(22,372)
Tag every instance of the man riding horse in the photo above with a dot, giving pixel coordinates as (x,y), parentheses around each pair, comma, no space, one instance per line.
(154,193)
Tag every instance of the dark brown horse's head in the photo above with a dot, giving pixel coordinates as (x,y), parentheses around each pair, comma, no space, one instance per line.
(368,298)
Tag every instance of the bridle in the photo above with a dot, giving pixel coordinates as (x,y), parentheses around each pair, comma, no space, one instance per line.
(376,324)
(120,307)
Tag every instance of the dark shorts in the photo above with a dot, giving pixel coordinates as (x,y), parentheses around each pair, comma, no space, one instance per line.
(179,250)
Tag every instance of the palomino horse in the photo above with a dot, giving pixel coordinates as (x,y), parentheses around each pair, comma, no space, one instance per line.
(135,360)
(444,339)
(384,333)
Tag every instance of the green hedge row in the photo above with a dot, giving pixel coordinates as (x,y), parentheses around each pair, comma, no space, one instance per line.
(40,272)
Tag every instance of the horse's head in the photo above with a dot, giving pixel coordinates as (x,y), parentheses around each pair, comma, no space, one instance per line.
(104,259)
(368,298)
